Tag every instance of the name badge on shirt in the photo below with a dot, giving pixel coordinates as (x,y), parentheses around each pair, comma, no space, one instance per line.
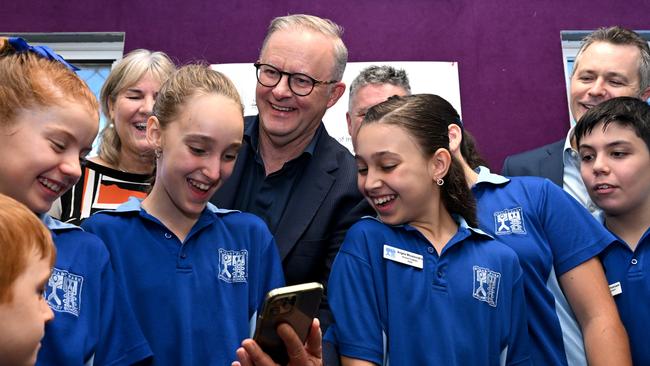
(403,256)
(615,288)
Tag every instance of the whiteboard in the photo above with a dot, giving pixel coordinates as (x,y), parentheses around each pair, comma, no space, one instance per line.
(435,77)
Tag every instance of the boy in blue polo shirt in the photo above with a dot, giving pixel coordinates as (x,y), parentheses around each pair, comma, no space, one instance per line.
(194,274)
(572,319)
(614,143)
(419,285)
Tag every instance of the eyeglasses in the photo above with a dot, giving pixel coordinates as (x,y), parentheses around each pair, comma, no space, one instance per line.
(300,84)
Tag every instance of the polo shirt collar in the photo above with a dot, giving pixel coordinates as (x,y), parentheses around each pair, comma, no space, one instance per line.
(485,176)
(56,225)
(463,228)
(135,205)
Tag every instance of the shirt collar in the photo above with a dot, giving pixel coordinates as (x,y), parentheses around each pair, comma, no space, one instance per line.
(485,176)
(567,140)
(135,205)
(56,225)
(463,226)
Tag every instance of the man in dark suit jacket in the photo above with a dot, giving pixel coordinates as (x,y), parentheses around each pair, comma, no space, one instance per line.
(289,171)
(611,62)
(545,161)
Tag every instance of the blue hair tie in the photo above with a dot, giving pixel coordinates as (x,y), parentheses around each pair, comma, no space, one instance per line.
(20,45)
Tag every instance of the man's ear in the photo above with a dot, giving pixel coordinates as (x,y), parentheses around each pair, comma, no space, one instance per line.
(646,94)
(349,119)
(154,133)
(337,91)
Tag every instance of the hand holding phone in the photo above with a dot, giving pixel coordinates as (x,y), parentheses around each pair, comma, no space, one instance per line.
(307,354)
(295,305)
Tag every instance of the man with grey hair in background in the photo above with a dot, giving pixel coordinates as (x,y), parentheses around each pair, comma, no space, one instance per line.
(373,85)
(289,171)
(612,62)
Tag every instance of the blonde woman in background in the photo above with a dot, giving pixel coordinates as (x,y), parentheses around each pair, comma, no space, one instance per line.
(125,162)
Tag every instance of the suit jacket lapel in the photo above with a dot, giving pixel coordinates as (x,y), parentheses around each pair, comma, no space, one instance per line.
(308,197)
(553,166)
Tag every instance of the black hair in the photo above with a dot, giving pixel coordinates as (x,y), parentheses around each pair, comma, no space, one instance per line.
(626,111)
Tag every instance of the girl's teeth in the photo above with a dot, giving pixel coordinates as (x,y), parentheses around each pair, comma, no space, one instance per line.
(201,186)
(53,186)
(382,200)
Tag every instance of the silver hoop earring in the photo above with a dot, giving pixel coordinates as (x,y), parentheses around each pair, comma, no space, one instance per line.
(440,181)
(157,152)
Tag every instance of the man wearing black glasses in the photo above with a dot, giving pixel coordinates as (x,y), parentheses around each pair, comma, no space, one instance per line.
(289,171)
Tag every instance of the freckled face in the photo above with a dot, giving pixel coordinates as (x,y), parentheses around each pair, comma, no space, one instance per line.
(41,150)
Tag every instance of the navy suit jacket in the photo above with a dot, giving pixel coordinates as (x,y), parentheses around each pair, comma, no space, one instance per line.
(325,202)
(545,161)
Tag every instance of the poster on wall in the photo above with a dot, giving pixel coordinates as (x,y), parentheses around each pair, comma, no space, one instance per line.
(436,77)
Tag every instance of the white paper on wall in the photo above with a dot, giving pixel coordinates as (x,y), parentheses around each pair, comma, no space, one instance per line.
(436,77)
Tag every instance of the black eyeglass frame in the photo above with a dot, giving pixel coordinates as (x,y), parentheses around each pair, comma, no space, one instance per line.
(289,77)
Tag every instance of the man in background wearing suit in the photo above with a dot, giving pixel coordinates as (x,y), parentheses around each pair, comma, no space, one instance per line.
(611,62)
(289,171)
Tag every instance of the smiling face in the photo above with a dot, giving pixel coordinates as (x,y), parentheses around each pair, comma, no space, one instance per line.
(41,149)
(366,97)
(394,175)
(286,117)
(199,148)
(615,170)
(130,111)
(604,71)
(23,318)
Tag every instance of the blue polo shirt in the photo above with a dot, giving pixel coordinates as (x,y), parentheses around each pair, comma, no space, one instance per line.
(396,301)
(628,269)
(92,319)
(552,234)
(193,299)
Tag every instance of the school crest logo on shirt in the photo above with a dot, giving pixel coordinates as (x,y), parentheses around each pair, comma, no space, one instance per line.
(63,292)
(233,265)
(509,221)
(486,285)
